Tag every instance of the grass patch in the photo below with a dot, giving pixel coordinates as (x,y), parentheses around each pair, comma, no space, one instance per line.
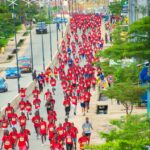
(9,57)
(20,43)
(26,33)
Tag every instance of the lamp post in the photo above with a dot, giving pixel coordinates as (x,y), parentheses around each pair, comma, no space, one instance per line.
(43,49)
(61,19)
(13,4)
(28,3)
(51,54)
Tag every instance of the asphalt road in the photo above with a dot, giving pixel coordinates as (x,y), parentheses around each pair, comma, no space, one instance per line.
(38,62)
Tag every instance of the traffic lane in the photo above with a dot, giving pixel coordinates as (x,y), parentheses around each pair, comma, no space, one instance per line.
(37,48)
(7,97)
(38,63)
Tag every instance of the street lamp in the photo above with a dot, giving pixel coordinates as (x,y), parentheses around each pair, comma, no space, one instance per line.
(13,4)
(51,55)
(61,18)
(28,3)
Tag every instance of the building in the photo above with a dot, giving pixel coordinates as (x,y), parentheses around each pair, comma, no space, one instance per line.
(138,9)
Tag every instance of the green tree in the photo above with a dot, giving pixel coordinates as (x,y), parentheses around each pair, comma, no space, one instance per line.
(136,46)
(126,93)
(131,132)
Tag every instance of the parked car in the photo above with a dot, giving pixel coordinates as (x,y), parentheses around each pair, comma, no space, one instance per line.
(25,64)
(60,20)
(3,85)
(41,28)
(11,72)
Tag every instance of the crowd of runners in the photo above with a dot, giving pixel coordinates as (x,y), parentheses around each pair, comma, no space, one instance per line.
(77,75)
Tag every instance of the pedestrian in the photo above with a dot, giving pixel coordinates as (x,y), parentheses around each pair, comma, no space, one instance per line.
(35,92)
(67,105)
(34,76)
(22,105)
(14,136)
(6,141)
(28,108)
(74,131)
(83,141)
(8,111)
(22,119)
(14,119)
(43,130)
(4,122)
(87,126)
(69,139)
(37,103)
(53,84)
(36,121)
(23,142)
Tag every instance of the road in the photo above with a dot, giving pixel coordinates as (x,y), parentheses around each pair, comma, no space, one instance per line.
(59,97)
(38,62)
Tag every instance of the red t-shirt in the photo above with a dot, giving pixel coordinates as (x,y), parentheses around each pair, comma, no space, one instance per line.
(23,92)
(35,93)
(14,136)
(51,128)
(36,121)
(48,95)
(14,119)
(60,131)
(22,105)
(53,82)
(69,138)
(8,111)
(7,140)
(66,125)
(56,146)
(43,127)
(36,103)
(22,139)
(4,123)
(22,120)
(83,141)
(74,132)
(28,106)
(66,103)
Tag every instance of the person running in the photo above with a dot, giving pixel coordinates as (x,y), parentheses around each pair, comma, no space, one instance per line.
(53,84)
(67,105)
(69,139)
(83,140)
(22,105)
(14,119)
(74,131)
(37,103)
(36,121)
(87,126)
(22,119)
(14,135)
(4,122)
(8,111)
(47,95)
(6,141)
(23,142)
(28,109)
(43,130)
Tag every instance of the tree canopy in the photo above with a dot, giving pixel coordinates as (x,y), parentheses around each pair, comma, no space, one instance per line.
(136,45)
(128,133)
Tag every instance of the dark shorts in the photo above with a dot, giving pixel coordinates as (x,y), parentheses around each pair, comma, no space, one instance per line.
(67,109)
(87,134)
(82,105)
